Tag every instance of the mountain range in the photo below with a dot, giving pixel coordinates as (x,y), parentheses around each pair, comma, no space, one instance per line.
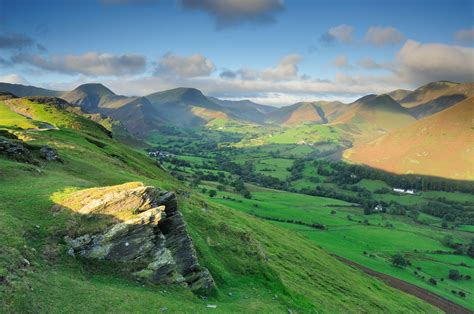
(376,124)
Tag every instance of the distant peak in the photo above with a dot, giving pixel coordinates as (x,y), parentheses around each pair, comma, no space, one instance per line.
(95,88)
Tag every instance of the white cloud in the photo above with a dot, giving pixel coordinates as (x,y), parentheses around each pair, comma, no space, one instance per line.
(232,12)
(91,63)
(192,66)
(13,79)
(286,69)
(341,33)
(340,61)
(421,63)
(465,36)
(380,36)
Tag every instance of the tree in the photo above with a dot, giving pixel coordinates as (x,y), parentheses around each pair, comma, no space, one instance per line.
(212,193)
(399,260)
(454,274)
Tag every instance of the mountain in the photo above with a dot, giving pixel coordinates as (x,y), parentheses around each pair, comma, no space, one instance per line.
(245,109)
(186,107)
(25,90)
(438,145)
(136,114)
(320,112)
(399,94)
(92,96)
(437,96)
(372,116)
(434,90)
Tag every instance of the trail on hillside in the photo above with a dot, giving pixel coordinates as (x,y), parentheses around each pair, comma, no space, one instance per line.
(442,303)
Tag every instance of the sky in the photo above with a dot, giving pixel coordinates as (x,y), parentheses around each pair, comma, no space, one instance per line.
(275,52)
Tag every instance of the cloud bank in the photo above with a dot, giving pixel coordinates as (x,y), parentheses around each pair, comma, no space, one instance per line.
(91,63)
(192,66)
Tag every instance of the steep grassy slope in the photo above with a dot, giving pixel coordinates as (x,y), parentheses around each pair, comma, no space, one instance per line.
(438,145)
(257,266)
(372,116)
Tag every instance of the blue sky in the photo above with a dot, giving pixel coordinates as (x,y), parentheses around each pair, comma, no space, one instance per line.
(272,51)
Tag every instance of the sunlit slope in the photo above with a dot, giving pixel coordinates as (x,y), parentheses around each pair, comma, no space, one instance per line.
(319,112)
(372,116)
(399,94)
(258,267)
(438,145)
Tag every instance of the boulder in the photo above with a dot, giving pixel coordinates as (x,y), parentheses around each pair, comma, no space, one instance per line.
(147,232)
(49,154)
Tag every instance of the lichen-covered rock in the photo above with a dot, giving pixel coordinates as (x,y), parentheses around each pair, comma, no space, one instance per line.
(147,230)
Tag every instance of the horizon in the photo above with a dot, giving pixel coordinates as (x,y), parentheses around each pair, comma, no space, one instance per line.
(272,52)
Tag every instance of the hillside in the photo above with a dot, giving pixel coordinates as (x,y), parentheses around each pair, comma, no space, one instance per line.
(245,110)
(26,90)
(319,112)
(436,96)
(372,116)
(91,97)
(399,94)
(438,145)
(186,107)
(257,266)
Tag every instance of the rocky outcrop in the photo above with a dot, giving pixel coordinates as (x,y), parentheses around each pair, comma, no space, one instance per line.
(146,230)
(15,150)
(49,100)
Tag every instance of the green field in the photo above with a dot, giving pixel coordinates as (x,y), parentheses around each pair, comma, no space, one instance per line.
(368,240)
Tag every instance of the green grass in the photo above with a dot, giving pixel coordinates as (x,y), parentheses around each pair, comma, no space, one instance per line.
(266,268)
(12,119)
(351,238)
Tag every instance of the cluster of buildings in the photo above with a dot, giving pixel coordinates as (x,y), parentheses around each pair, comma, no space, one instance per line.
(159,154)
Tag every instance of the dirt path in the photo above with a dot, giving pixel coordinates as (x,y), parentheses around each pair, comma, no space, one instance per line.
(433,299)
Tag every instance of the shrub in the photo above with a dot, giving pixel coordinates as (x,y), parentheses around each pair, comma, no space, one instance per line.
(212,193)
(433,281)
(399,260)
